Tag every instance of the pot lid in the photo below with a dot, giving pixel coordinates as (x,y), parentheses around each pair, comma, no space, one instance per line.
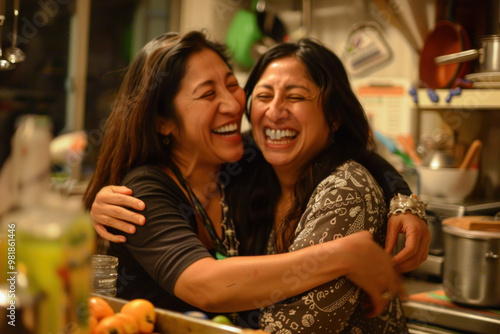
(484,227)
(475,223)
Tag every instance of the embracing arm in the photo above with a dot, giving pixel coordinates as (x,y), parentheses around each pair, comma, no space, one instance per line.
(110,209)
(111,203)
(417,232)
(170,250)
(241,283)
(386,176)
(417,241)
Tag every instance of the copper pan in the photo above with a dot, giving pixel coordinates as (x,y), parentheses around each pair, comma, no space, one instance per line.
(448,36)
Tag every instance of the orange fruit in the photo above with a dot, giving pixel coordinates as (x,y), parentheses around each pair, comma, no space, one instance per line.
(144,312)
(99,308)
(92,324)
(110,325)
(129,323)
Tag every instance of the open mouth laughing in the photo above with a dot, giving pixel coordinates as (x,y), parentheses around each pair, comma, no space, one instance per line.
(227,129)
(280,136)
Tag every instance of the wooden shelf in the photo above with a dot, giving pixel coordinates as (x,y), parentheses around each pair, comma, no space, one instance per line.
(472,99)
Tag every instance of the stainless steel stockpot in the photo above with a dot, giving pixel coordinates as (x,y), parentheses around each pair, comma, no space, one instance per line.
(488,55)
(472,266)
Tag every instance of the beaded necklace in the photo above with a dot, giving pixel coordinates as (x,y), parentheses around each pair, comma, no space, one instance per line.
(226,248)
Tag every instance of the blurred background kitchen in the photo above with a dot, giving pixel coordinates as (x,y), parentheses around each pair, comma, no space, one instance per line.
(438,124)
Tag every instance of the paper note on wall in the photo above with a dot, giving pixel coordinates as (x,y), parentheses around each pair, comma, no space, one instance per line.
(387,106)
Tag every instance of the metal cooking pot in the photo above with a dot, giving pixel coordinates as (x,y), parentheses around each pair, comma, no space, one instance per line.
(472,266)
(488,54)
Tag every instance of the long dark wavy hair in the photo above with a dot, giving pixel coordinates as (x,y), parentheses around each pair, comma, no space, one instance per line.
(350,140)
(146,96)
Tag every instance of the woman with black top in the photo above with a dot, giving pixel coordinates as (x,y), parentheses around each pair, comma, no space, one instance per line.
(182,87)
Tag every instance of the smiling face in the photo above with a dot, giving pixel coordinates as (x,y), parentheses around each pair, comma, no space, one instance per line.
(209,107)
(287,118)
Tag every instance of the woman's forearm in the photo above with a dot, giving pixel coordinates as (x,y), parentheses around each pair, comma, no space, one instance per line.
(242,283)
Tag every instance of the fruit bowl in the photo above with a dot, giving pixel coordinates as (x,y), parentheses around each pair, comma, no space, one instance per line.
(451,185)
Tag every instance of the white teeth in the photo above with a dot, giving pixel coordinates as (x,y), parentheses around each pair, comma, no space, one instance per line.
(226,128)
(278,133)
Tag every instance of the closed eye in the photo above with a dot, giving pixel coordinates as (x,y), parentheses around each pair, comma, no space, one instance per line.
(264,97)
(233,86)
(207,94)
(295,98)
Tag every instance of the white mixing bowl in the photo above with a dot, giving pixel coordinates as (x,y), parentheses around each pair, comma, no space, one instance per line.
(448,184)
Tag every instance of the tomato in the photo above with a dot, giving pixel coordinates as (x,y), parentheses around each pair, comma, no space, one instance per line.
(99,308)
(110,325)
(144,312)
(129,323)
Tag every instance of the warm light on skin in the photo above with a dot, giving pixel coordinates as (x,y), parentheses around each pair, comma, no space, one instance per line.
(285,99)
(209,106)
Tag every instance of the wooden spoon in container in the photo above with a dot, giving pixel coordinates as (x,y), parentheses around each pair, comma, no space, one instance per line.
(408,144)
(472,155)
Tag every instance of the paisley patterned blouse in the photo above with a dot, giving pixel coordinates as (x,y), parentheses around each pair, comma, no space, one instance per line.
(347,201)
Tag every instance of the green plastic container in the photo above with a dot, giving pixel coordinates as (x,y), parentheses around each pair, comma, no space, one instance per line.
(242,34)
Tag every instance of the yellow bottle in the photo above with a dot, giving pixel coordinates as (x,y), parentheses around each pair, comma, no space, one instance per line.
(55,243)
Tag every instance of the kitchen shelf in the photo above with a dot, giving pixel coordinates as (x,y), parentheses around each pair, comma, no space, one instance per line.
(472,99)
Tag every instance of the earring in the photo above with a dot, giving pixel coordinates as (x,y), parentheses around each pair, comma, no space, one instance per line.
(166,140)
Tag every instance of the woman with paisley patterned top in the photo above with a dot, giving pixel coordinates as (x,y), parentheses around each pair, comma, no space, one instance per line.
(311,129)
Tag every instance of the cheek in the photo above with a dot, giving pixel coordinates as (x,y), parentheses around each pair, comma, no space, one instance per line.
(254,121)
(256,131)
(322,135)
(256,113)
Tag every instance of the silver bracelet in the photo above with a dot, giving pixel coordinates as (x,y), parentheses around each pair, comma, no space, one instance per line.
(403,203)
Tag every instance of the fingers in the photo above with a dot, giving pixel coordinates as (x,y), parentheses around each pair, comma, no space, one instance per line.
(110,208)
(118,189)
(372,270)
(378,301)
(101,230)
(116,223)
(410,253)
(417,241)
(120,196)
(393,229)
(375,304)
(413,255)
(108,215)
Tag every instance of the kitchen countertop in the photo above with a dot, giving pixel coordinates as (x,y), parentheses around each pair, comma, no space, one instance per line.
(430,311)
